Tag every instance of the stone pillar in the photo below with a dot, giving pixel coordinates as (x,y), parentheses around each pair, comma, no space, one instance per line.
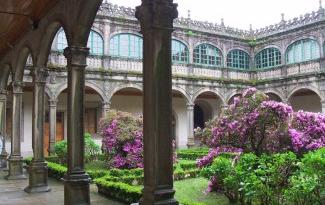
(76,181)
(156,19)
(323,106)
(38,169)
(53,107)
(3,103)
(105,108)
(190,124)
(15,159)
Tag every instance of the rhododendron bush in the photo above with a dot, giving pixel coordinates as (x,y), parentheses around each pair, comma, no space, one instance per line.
(122,139)
(253,123)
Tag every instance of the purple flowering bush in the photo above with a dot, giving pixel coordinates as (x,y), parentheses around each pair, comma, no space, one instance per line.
(307,131)
(122,139)
(259,127)
(250,124)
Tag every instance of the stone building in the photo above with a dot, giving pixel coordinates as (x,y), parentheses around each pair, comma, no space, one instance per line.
(211,63)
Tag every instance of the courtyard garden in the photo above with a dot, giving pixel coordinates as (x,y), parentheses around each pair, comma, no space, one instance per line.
(258,152)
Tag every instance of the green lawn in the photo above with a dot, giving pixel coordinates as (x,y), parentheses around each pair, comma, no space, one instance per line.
(193,190)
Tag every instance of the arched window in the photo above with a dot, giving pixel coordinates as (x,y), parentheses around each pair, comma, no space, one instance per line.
(238,59)
(126,45)
(179,52)
(206,54)
(268,57)
(302,50)
(61,40)
(95,43)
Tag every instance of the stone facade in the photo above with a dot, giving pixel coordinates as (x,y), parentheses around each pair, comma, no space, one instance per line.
(107,74)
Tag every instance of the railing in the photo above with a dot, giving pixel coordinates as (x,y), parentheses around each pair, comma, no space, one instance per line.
(106,63)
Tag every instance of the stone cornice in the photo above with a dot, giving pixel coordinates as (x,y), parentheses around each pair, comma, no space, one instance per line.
(126,13)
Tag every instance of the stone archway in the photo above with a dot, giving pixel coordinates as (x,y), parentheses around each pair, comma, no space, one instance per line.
(305,99)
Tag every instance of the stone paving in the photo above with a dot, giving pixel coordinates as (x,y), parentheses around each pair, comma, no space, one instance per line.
(12,193)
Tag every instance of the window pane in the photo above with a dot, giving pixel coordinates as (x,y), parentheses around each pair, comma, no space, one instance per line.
(126,45)
(268,57)
(206,54)
(302,50)
(238,59)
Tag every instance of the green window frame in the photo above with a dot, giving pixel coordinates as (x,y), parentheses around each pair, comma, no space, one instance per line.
(180,53)
(95,42)
(302,50)
(206,54)
(268,57)
(238,59)
(126,45)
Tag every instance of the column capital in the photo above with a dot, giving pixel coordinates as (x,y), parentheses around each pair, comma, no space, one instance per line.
(190,106)
(106,104)
(53,102)
(39,74)
(76,56)
(156,14)
(17,87)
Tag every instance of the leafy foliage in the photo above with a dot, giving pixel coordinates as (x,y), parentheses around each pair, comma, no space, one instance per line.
(92,150)
(269,179)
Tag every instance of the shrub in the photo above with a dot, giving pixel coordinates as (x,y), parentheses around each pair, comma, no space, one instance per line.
(92,150)
(255,124)
(61,150)
(307,185)
(122,139)
(269,179)
(193,153)
(307,131)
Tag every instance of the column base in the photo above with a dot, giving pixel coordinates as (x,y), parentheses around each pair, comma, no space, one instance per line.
(76,189)
(158,197)
(15,168)
(38,176)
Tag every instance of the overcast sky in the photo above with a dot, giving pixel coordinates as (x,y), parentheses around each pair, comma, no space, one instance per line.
(239,13)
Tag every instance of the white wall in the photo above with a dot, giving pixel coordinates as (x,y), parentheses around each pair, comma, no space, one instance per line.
(132,104)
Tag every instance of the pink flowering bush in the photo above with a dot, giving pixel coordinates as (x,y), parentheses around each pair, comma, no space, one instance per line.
(256,125)
(250,124)
(122,139)
(307,131)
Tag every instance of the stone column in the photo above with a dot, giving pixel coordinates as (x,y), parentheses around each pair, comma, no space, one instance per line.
(38,169)
(106,106)
(156,19)
(3,103)
(76,186)
(323,106)
(190,124)
(15,158)
(52,117)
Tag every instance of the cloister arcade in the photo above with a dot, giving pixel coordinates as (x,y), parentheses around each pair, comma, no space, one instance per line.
(65,71)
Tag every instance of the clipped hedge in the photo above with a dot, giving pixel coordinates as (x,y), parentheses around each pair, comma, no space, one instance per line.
(125,192)
(118,190)
(193,153)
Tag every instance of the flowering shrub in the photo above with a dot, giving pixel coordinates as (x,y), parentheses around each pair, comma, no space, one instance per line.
(122,139)
(307,131)
(250,124)
(253,124)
